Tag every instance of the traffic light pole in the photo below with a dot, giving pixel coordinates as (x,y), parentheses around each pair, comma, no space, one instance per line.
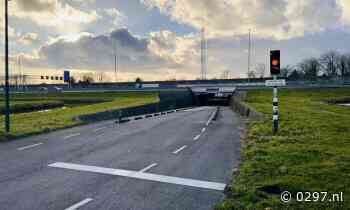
(275,108)
(7,87)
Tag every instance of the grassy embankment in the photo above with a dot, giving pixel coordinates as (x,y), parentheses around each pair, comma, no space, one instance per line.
(75,104)
(310,153)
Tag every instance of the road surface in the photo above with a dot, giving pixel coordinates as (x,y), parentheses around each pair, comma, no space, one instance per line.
(179,161)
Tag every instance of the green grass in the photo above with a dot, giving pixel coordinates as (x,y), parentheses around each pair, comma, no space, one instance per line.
(310,153)
(24,124)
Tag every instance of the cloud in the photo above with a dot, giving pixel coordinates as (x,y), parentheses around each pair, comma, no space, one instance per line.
(278,19)
(37,5)
(161,53)
(176,50)
(29,38)
(118,18)
(58,15)
(87,51)
(345,5)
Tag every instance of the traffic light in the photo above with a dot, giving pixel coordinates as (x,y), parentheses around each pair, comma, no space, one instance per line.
(275,62)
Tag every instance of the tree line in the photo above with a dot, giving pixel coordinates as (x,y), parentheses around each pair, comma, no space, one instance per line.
(330,65)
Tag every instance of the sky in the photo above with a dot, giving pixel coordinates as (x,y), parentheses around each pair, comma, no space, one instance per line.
(160,39)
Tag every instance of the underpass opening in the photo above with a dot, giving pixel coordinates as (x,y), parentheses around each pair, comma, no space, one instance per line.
(213,96)
(211,100)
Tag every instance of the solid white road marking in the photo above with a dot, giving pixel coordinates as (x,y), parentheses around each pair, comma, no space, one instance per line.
(143,176)
(80,204)
(179,150)
(196,109)
(196,137)
(98,129)
(148,167)
(210,118)
(71,136)
(203,130)
(44,110)
(29,146)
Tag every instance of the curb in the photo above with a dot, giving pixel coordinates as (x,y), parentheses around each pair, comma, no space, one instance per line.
(147,116)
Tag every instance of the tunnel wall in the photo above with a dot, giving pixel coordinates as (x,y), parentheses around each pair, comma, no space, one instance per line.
(168,100)
(238,105)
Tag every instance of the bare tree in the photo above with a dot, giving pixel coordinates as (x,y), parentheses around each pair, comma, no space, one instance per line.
(260,70)
(295,75)
(171,79)
(251,74)
(225,74)
(88,78)
(72,80)
(310,68)
(329,62)
(100,76)
(347,73)
(138,80)
(286,71)
(344,65)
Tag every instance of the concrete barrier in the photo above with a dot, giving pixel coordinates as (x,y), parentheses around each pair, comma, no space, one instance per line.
(167,101)
(237,104)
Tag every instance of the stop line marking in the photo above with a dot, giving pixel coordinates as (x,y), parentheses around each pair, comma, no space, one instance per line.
(142,176)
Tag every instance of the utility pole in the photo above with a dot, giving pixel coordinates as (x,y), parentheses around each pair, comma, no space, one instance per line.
(249,54)
(115,61)
(204,63)
(7,88)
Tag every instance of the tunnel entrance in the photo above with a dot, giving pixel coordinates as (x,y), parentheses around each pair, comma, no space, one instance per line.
(211,100)
(213,95)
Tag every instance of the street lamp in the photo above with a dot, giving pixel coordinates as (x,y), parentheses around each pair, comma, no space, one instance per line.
(7,88)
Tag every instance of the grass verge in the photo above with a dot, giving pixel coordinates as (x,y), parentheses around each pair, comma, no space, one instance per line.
(311,153)
(24,124)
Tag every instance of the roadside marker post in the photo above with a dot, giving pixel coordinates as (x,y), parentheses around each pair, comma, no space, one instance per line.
(275,108)
(275,83)
(275,70)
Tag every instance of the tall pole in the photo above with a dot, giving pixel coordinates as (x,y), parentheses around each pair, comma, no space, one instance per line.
(249,51)
(204,63)
(7,88)
(115,61)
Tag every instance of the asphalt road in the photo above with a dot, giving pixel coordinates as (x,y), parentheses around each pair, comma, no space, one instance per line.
(177,161)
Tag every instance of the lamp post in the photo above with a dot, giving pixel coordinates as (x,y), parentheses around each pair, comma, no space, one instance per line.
(7,87)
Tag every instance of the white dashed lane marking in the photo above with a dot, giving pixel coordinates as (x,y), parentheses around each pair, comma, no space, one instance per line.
(29,146)
(99,129)
(71,136)
(80,204)
(196,137)
(148,167)
(143,176)
(179,150)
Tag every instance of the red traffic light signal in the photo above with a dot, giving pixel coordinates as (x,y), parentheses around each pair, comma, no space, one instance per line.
(275,62)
